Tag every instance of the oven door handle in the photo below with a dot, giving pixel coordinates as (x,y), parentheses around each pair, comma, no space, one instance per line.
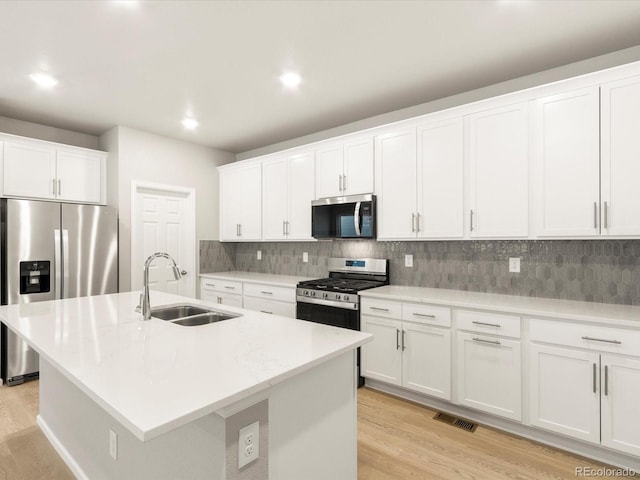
(356,219)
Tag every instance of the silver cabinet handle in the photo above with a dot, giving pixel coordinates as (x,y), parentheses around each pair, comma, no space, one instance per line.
(493,342)
(404,335)
(219,300)
(287,229)
(617,342)
(240,228)
(423,315)
(595,214)
(417,222)
(379,309)
(397,339)
(487,324)
(284,228)
(264,311)
(53,188)
(594,378)
(606,220)
(209,285)
(237,229)
(471,220)
(59,187)
(264,292)
(413,222)
(229,288)
(606,380)
(340,183)
(344,183)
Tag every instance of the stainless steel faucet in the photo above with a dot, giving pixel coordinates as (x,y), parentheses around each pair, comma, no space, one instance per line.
(144,306)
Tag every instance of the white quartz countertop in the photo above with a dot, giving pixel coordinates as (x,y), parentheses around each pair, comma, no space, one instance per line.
(255,277)
(621,315)
(154,376)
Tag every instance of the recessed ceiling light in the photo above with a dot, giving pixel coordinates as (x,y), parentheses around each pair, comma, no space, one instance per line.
(44,80)
(190,123)
(290,79)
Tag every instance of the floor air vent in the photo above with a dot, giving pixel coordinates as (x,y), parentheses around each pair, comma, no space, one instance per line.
(456,422)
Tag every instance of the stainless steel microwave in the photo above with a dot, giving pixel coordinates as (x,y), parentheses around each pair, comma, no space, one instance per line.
(352,216)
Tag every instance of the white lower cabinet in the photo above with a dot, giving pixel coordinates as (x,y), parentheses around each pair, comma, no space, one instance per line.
(587,395)
(489,374)
(409,354)
(223,292)
(270,299)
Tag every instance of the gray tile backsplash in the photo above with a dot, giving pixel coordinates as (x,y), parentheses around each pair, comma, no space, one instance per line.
(591,270)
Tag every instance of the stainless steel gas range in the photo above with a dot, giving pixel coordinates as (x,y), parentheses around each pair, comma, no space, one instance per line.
(334,300)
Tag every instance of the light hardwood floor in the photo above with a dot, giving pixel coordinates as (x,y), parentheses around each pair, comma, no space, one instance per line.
(397,440)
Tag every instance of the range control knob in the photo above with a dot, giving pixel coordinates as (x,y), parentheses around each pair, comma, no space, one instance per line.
(325,295)
(338,297)
(313,294)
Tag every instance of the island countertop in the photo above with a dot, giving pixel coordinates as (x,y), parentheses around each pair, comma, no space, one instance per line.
(154,376)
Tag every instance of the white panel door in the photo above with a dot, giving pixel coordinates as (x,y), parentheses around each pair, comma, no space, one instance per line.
(426,360)
(275,182)
(79,177)
(489,374)
(620,395)
(440,169)
(29,171)
(231,192)
(162,220)
(620,157)
(498,172)
(301,193)
(329,166)
(567,163)
(382,358)
(396,184)
(358,166)
(565,391)
(250,212)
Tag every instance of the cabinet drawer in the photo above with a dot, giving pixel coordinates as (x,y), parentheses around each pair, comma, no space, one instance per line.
(582,335)
(275,307)
(486,322)
(220,285)
(283,294)
(416,312)
(381,308)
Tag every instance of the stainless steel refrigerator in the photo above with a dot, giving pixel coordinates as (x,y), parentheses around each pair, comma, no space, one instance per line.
(50,251)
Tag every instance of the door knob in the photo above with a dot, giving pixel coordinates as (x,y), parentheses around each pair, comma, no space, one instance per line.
(183,272)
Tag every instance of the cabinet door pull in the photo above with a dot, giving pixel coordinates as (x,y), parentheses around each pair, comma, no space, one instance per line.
(471,220)
(413,222)
(287,222)
(59,187)
(344,183)
(340,183)
(237,229)
(284,228)
(219,300)
(397,339)
(379,309)
(240,228)
(493,342)
(209,285)
(53,182)
(617,342)
(404,335)
(423,315)
(229,288)
(264,311)
(497,325)
(606,380)
(594,378)
(417,222)
(606,215)
(595,214)
(264,292)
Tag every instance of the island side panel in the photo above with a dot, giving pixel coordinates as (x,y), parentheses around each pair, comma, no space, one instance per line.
(79,429)
(313,423)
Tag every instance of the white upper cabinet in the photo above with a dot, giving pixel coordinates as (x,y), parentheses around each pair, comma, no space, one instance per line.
(46,171)
(567,164)
(396,184)
(440,174)
(241,202)
(498,172)
(345,168)
(620,157)
(288,189)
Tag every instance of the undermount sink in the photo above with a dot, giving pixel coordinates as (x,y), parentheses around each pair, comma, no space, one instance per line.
(191,315)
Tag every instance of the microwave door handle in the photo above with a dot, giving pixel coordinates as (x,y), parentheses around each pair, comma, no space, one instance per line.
(356,219)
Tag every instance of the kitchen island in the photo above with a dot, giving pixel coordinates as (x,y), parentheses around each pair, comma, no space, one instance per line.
(121,397)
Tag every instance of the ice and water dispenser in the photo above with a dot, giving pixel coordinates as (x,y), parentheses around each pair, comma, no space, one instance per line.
(35,277)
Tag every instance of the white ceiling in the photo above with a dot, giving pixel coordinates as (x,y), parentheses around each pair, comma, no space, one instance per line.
(148,64)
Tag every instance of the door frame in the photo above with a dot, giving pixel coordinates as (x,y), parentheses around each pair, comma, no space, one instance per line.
(169,190)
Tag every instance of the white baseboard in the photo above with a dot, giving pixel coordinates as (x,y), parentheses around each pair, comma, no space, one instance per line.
(561,442)
(63,452)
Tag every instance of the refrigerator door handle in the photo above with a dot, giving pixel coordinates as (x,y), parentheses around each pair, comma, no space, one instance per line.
(65,263)
(57,261)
